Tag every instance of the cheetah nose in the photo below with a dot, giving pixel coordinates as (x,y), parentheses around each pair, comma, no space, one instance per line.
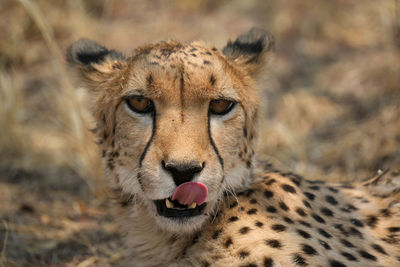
(182,173)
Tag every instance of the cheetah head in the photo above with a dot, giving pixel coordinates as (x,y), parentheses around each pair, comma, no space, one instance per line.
(175,122)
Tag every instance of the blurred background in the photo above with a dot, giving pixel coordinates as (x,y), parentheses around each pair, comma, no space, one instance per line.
(332,105)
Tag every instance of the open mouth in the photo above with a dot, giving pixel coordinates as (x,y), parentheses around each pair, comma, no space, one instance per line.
(172,208)
(188,200)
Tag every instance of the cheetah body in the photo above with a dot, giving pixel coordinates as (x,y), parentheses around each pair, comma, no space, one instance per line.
(284,220)
(189,105)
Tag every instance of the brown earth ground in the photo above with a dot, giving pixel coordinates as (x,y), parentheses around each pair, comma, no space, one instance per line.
(332,101)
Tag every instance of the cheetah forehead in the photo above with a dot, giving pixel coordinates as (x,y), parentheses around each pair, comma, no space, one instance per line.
(166,53)
(203,71)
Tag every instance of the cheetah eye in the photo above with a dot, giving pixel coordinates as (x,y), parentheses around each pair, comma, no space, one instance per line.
(221,106)
(140,104)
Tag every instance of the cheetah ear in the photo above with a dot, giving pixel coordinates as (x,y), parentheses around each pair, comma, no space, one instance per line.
(250,50)
(94,62)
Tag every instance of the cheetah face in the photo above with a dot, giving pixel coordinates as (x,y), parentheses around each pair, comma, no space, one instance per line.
(176,122)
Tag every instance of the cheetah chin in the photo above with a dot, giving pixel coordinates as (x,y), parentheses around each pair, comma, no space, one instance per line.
(176,125)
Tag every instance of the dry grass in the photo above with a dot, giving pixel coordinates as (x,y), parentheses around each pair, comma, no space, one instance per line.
(64,139)
(333,104)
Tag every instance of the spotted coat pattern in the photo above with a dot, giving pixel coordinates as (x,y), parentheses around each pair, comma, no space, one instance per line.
(285,220)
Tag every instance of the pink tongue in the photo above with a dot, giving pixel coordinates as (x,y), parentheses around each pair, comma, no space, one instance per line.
(189,192)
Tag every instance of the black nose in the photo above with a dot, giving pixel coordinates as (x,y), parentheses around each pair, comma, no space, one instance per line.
(182,172)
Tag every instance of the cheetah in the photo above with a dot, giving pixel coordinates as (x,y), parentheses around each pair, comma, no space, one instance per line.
(177,130)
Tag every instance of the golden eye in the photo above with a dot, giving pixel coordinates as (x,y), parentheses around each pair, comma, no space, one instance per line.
(221,106)
(140,104)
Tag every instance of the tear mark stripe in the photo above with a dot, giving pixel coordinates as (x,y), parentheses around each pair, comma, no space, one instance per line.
(146,148)
(181,88)
(221,161)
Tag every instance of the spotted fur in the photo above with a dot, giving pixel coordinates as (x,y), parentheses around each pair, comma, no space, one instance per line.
(255,215)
